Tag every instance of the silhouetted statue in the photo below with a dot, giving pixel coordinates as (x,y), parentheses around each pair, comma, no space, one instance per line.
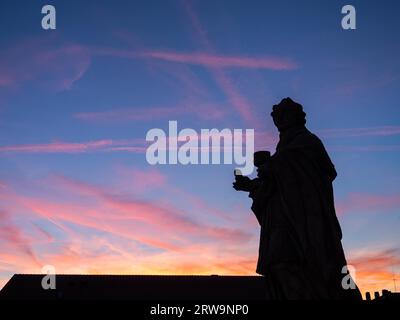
(300,251)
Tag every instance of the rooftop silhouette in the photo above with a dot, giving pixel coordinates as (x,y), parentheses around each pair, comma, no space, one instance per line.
(136,287)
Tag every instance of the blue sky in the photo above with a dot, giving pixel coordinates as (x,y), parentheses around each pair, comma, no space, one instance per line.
(76,104)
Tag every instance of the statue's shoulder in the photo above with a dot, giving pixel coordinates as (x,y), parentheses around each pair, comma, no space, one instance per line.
(307,138)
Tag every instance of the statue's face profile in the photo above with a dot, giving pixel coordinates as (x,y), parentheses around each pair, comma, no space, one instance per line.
(279,116)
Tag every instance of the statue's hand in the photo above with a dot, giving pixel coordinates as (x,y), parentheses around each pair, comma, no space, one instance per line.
(242,183)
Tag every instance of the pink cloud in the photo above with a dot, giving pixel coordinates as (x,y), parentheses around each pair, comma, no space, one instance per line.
(366,148)
(361,132)
(199,205)
(58,147)
(223,61)
(215,63)
(94,218)
(187,246)
(376,259)
(364,203)
(179,77)
(151,177)
(5,80)
(201,110)
(206,59)
(45,61)
(141,180)
(375,268)
(366,81)
(45,234)
(182,78)
(133,145)
(14,238)
(162,217)
(238,101)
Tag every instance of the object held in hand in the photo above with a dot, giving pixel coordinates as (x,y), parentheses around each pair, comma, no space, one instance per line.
(261,157)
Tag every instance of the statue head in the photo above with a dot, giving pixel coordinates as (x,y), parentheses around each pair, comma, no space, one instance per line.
(287,114)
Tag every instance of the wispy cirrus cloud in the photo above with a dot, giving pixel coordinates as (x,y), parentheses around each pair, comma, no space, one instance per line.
(57,147)
(44,61)
(140,180)
(100,226)
(366,80)
(201,110)
(239,102)
(382,131)
(206,59)
(13,237)
(126,224)
(366,148)
(181,78)
(356,202)
(136,145)
(362,133)
(164,217)
(214,63)
(376,269)
(224,61)
(125,216)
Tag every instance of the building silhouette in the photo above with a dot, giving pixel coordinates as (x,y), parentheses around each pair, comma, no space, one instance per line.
(147,287)
(136,287)
(386,296)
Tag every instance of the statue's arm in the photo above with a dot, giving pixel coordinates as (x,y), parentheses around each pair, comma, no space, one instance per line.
(260,197)
(256,206)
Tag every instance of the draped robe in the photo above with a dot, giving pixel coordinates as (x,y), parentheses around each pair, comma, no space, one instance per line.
(300,251)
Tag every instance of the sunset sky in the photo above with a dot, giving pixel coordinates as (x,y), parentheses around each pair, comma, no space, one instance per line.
(76,191)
